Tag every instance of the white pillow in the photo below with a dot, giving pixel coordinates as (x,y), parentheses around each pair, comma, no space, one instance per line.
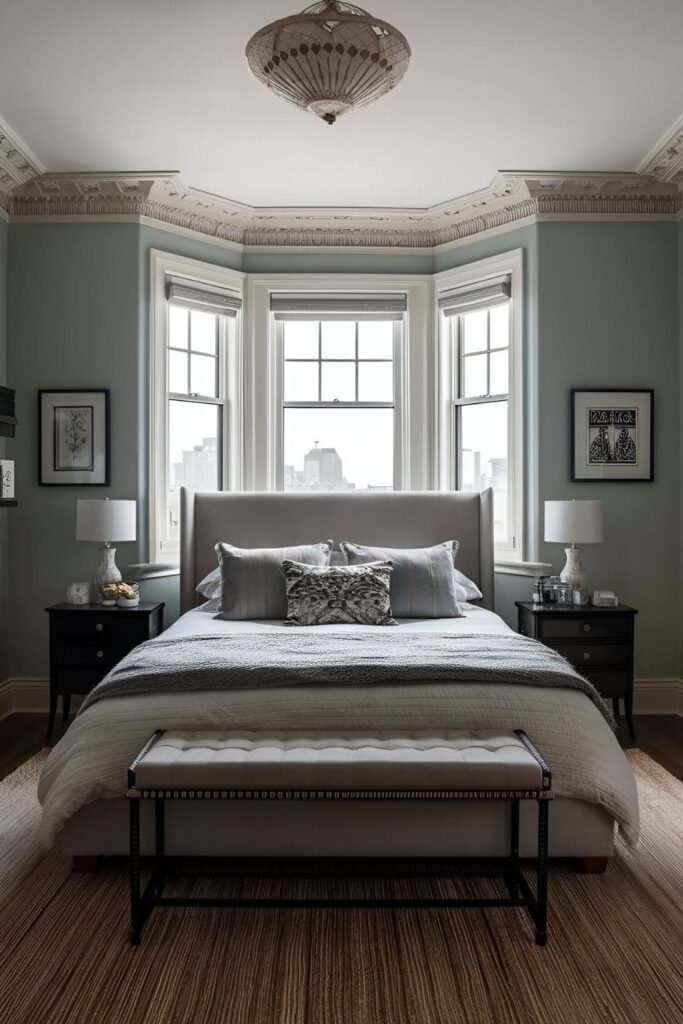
(210,587)
(465,588)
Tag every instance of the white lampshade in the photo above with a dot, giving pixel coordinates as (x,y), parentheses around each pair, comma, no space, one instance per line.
(103,520)
(573,522)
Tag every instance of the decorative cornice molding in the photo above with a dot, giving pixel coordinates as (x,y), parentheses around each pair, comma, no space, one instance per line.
(665,159)
(17,163)
(512,196)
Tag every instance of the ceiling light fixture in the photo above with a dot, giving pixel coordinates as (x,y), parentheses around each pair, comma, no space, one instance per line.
(331,58)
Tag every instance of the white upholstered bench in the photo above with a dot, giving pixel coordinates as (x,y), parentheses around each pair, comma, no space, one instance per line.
(224,766)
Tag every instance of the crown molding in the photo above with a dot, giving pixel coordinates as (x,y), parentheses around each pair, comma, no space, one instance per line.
(665,159)
(17,163)
(512,196)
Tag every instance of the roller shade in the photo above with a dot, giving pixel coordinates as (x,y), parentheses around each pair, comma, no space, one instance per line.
(191,295)
(338,307)
(470,298)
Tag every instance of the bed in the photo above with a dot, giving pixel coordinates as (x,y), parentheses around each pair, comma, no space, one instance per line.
(84,779)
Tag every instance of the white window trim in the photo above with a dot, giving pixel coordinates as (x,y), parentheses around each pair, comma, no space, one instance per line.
(163,265)
(510,263)
(264,384)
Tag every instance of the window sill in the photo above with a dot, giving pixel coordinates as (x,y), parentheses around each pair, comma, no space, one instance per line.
(532,569)
(150,571)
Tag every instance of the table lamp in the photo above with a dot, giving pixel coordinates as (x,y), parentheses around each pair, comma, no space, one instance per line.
(104,520)
(574,523)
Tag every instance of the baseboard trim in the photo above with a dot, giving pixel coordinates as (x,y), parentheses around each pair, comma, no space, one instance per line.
(24,694)
(658,697)
(650,696)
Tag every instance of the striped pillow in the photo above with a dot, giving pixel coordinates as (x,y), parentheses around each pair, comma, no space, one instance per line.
(252,584)
(422,583)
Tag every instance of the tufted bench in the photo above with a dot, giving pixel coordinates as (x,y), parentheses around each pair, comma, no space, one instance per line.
(453,765)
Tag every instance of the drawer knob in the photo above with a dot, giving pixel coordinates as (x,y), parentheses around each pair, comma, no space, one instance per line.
(586,627)
(99,627)
(100,654)
(586,655)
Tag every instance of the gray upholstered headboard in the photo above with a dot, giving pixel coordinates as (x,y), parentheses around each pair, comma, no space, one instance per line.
(398,519)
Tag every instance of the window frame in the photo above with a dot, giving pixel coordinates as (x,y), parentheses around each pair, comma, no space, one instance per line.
(162,550)
(447,386)
(398,331)
(264,374)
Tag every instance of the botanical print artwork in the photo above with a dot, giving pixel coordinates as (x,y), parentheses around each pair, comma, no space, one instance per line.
(612,437)
(73,435)
(73,428)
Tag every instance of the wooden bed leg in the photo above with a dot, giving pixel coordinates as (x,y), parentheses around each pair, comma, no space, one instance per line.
(86,863)
(592,865)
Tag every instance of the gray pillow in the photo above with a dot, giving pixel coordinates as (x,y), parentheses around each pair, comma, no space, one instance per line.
(422,584)
(252,585)
(318,595)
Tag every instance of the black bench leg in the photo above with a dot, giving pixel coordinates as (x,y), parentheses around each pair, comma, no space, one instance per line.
(513,874)
(136,909)
(542,875)
(160,850)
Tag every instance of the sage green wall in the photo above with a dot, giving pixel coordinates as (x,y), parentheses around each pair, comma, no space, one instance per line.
(72,323)
(5,449)
(680,351)
(600,310)
(608,317)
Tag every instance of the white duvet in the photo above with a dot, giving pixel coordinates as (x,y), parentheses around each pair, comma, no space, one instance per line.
(90,761)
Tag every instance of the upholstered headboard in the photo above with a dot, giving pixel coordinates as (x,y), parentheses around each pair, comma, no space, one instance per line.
(398,519)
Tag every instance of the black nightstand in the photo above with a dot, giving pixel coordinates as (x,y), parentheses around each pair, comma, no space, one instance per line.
(597,641)
(86,640)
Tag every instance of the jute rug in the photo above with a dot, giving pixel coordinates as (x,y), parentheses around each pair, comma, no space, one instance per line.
(615,954)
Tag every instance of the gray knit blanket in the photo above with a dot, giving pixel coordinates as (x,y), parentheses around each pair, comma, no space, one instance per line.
(257,660)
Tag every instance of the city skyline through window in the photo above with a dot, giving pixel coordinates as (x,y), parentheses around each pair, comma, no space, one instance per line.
(482,341)
(338,416)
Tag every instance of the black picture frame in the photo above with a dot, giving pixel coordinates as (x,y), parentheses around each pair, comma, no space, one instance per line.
(611,470)
(50,474)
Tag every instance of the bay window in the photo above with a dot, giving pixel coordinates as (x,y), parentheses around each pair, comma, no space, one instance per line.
(481,391)
(340,373)
(193,394)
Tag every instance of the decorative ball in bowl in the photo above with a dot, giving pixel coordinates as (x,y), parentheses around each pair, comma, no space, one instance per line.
(129,595)
(109,593)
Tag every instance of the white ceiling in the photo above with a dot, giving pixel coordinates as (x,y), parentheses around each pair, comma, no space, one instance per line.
(164,85)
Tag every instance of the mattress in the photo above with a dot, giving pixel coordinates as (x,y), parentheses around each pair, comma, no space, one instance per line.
(89,763)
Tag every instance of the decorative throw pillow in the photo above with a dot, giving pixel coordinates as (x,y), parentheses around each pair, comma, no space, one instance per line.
(422,584)
(251,583)
(338,593)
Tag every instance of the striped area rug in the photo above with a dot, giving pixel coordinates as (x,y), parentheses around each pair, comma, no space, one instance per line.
(615,954)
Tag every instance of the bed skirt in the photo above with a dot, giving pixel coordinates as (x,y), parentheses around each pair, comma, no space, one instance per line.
(577,829)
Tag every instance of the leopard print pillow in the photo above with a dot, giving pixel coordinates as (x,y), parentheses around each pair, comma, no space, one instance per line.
(317,595)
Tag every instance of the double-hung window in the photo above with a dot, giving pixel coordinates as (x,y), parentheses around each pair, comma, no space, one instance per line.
(190,409)
(484,394)
(340,372)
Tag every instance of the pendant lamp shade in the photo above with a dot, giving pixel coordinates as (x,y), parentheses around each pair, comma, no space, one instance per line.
(332,58)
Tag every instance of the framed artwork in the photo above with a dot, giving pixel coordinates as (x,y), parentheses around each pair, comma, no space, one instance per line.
(73,427)
(612,434)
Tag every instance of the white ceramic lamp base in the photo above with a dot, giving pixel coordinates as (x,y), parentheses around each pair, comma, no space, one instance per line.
(575,574)
(107,571)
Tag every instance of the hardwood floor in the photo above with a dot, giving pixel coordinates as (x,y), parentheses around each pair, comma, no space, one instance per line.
(660,736)
(21,736)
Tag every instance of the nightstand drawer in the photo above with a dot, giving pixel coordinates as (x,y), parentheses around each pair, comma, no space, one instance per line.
(107,626)
(97,656)
(578,628)
(584,656)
